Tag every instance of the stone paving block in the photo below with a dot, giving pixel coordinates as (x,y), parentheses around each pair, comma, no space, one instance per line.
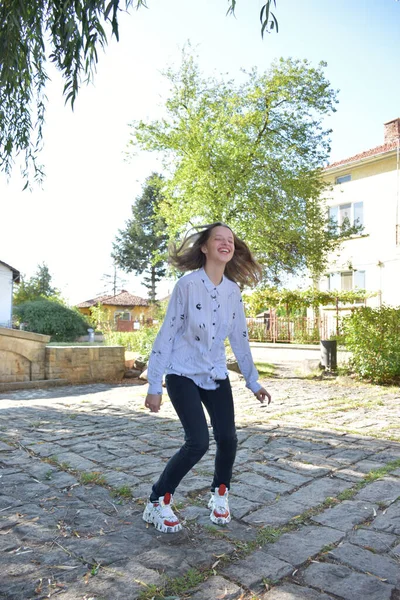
(346,514)
(385,491)
(252,479)
(316,492)
(276,514)
(305,469)
(240,506)
(345,583)
(396,551)
(256,441)
(367,561)
(297,547)
(208,551)
(166,559)
(119,479)
(251,571)
(217,587)
(280,474)
(252,493)
(389,521)
(76,462)
(61,480)
(377,541)
(350,456)
(289,591)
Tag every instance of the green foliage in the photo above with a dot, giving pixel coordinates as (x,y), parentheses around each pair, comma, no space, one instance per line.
(250,155)
(294,301)
(140,341)
(36,287)
(49,317)
(373,337)
(68,34)
(142,245)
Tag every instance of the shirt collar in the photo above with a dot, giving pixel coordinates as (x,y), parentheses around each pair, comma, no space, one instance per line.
(210,287)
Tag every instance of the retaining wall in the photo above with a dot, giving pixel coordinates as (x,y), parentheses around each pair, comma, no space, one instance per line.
(82,364)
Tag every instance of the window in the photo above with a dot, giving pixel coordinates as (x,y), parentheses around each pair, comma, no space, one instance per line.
(347,215)
(121,315)
(343,179)
(346,281)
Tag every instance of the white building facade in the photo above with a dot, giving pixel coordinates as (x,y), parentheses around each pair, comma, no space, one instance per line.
(366,191)
(8,276)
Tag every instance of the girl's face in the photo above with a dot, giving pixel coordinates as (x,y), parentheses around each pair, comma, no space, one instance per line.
(220,246)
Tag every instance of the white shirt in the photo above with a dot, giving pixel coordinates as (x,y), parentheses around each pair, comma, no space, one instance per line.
(200,316)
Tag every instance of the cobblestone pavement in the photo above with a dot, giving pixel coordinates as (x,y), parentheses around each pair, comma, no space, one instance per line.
(315,497)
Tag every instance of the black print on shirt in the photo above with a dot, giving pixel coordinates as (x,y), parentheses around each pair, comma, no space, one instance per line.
(182,317)
(172,322)
(202,325)
(197,338)
(244,334)
(198,306)
(233,316)
(213,297)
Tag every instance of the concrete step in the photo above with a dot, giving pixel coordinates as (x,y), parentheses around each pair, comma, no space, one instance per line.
(26,385)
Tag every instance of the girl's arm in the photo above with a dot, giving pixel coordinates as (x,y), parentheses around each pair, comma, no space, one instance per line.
(172,324)
(239,341)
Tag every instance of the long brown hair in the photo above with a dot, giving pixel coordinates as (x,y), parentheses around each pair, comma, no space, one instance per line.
(242,268)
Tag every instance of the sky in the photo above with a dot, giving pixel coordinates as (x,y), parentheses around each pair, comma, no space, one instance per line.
(71,221)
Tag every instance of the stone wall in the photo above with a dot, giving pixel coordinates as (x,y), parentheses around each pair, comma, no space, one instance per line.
(22,355)
(82,364)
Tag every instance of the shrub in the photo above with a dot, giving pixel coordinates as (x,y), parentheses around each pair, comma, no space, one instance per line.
(373,337)
(140,341)
(49,317)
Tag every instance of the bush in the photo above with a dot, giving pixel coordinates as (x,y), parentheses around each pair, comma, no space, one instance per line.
(373,336)
(140,341)
(49,317)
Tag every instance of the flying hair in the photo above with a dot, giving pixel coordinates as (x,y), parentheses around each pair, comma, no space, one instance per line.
(188,256)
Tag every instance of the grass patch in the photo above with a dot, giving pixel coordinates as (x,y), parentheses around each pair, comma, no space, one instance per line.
(123,492)
(94,477)
(265,369)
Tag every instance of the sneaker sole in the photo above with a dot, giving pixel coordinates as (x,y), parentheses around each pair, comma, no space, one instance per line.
(160,527)
(220,520)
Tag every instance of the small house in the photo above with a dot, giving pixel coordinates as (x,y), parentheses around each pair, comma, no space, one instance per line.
(8,277)
(124,309)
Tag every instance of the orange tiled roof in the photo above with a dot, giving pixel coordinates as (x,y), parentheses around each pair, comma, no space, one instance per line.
(373,152)
(124,298)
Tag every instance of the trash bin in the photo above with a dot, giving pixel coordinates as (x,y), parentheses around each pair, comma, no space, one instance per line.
(329,354)
(91,335)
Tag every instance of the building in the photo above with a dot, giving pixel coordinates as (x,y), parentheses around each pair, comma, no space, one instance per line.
(124,309)
(8,277)
(365,190)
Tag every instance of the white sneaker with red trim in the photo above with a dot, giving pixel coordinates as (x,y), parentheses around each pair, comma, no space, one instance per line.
(161,515)
(220,513)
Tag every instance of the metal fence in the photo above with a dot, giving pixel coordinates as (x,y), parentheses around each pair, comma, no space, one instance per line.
(302,330)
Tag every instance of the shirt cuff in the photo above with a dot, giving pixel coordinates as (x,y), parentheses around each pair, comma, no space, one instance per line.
(254,387)
(155,388)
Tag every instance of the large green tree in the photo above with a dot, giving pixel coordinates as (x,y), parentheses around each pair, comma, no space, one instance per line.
(69,34)
(37,287)
(250,155)
(141,246)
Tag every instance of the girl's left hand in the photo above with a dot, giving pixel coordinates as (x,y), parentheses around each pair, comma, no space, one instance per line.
(262,394)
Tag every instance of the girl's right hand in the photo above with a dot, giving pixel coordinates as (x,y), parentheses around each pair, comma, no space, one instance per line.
(153,402)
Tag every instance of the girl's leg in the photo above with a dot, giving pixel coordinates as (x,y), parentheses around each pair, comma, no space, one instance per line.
(219,405)
(185,397)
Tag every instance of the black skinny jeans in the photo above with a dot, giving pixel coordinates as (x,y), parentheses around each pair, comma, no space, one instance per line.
(187,399)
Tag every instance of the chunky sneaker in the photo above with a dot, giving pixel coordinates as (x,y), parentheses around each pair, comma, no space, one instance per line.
(220,513)
(161,515)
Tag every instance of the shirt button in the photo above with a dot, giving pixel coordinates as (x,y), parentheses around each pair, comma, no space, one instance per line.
(213,323)
(213,337)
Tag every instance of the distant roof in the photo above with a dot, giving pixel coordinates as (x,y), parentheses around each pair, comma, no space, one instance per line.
(367,154)
(15,272)
(124,298)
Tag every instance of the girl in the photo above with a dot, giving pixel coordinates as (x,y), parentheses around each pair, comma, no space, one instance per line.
(205,308)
